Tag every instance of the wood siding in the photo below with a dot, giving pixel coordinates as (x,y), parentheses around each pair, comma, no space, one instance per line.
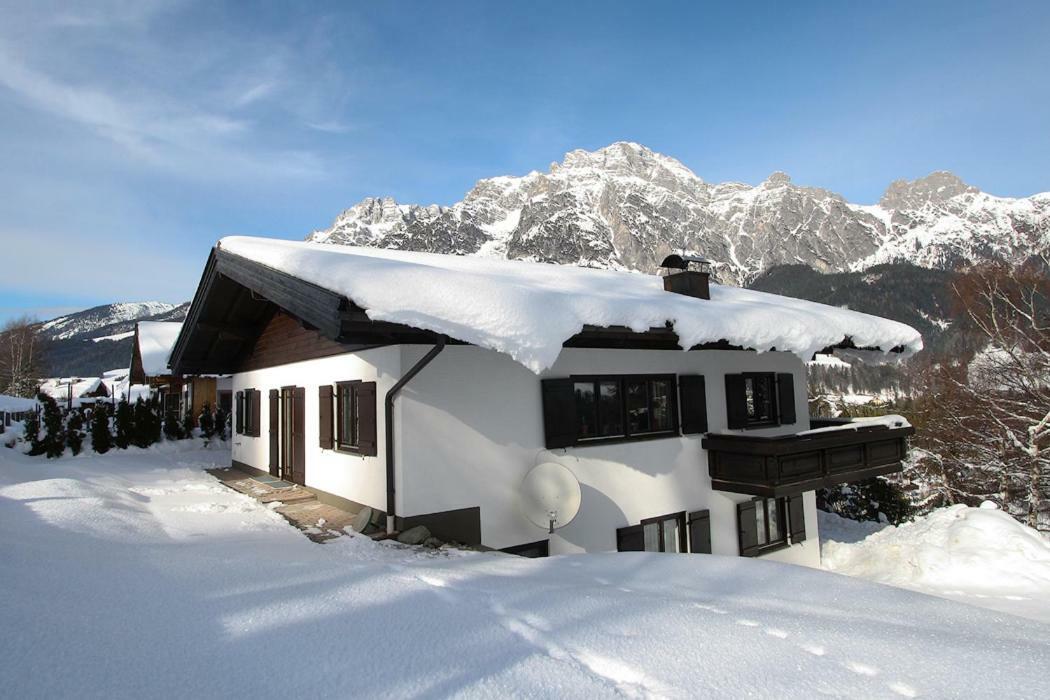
(284,340)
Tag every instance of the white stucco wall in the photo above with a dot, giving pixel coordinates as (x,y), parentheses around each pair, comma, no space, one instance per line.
(360,479)
(471,427)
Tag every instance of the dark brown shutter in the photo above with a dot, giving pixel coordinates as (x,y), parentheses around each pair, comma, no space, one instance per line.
(630,539)
(693,394)
(786,399)
(736,402)
(796,518)
(275,423)
(256,412)
(700,532)
(366,418)
(559,412)
(748,528)
(324,416)
(299,435)
(239,418)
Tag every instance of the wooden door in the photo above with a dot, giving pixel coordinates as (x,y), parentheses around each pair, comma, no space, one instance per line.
(299,436)
(287,410)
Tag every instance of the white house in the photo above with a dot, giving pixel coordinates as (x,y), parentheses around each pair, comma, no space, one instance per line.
(426,387)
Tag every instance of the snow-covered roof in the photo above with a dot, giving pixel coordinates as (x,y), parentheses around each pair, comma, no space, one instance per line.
(16,404)
(156,339)
(528,310)
(58,387)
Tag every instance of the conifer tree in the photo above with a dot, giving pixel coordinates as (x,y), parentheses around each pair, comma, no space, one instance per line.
(187,423)
(125,421)
(31,431)
(220,423)
(140,433)
(75,431)
(207,423)
(101,437)
(54,440)
(172,426)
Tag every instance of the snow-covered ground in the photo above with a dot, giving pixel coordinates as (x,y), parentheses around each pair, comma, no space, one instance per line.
(138,575)
(980,556)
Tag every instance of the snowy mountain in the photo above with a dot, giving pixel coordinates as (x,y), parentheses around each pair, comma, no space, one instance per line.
(89,342)
(104,320)
(625,207)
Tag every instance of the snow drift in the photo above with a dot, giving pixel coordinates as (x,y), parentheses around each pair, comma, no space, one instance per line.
(958,551)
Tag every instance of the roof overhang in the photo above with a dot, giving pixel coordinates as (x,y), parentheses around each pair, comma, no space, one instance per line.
(236,298)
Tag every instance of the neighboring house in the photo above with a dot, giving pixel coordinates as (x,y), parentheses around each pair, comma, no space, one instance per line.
(427,386)
(153,341)
(74,392)
(14,409)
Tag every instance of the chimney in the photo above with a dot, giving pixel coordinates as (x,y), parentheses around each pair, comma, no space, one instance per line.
(680,279)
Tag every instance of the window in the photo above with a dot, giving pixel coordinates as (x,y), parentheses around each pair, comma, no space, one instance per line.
(251,412)
(769,521)
(349,425)
(665,533)
(247,418)
(348,416)
(624,407)
(762,525)
(759,399)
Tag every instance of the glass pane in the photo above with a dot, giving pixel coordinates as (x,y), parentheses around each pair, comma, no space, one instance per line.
(651,531)
(774,520)
(343,434)
(763,398)
(638,407)
(355,419)
(671,535)
(610,409)
(586,409)
(749,396)
(760,521)
(660,396)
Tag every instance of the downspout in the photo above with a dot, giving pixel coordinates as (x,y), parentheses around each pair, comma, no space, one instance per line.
(391,394)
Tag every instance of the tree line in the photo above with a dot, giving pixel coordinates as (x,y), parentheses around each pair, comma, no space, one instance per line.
(50,430)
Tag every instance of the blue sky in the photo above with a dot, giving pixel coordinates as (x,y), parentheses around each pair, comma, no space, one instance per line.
(133,135)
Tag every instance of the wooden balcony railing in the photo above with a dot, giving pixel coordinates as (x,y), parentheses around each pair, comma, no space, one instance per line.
(778,466)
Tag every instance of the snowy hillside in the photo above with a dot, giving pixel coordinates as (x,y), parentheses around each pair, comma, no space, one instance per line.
(85,323)
(138,575)
(89,342)
(625,207)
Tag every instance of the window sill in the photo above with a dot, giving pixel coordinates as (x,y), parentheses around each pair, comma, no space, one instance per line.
(587,442)
(769,549)
(348,451)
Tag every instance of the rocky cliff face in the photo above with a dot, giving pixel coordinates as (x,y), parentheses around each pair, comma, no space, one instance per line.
(625,207)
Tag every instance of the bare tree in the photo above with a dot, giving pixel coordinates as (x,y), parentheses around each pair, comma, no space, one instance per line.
(987,421)
(19,357)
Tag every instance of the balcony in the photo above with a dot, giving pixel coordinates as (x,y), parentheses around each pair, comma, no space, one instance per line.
(841,452)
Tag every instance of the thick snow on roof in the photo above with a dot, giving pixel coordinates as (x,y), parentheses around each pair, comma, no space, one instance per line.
(16,404)
(156,339)
(528,310)
(58,387)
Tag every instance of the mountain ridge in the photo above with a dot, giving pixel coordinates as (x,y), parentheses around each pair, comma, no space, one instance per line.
(625,207)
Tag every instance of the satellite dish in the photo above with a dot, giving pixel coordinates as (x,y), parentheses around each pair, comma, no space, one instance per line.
(550,496)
